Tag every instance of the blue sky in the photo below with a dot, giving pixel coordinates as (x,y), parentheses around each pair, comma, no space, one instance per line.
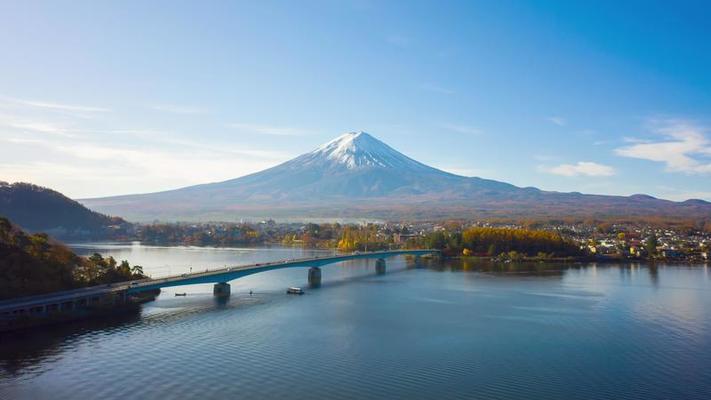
(104,98)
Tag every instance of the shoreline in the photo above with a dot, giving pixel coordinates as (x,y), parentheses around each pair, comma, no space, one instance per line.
(588,259)
(580,260)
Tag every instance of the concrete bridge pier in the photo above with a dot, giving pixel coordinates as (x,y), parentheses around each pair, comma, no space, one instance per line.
(380,266)
(221,289)
(314,277)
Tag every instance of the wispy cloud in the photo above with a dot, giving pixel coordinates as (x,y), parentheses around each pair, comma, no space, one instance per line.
(431,87)
(684,147)
(76,149)
(560,121)
(54,106)
(80,165)
(178,109)
(167,138)
(465,129)
(23,125)
(629,139)
(581,168)
(268,129)
(17,140)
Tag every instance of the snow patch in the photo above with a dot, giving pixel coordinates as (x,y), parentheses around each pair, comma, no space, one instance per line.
(361,150)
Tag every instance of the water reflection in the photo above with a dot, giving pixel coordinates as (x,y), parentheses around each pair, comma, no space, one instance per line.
(24,350)
(653,270)
(542,269)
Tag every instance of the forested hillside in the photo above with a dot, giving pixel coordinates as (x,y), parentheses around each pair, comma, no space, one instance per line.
(34,264)
(36,209)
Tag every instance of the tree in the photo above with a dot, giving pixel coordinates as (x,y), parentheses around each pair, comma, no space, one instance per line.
(137,270)
(491,251)
(124,268)
(651,245)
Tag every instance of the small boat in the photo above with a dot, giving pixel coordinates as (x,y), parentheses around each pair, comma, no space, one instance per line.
(181,294)
(294,290)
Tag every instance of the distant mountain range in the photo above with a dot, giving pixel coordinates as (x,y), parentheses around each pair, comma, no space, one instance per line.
(38,209)
(357,176)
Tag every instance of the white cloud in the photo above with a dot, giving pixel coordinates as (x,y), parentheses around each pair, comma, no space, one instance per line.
(560,121)
(465,129)
(150,161)
(581,168)
(628,139)
(685,148)
(34,126)
(169,139)
(54,106)
(268,129)
(78,149)
(17,140)
(40,127)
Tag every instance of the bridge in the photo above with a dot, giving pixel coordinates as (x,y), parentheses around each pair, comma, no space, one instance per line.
(224,275)
(120,293)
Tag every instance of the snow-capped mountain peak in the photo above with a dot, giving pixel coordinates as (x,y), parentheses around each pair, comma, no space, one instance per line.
(361,150)
(357,175)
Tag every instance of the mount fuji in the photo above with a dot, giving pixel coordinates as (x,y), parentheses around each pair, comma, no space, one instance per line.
(357,176)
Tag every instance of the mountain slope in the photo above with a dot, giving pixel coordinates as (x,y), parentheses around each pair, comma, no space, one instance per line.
(39,209)
(358,176)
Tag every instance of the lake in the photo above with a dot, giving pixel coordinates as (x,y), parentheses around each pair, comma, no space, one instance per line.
(442,329)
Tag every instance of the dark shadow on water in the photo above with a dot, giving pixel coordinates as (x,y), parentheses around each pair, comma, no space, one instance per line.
(543,270)
(368,277)
(504,269)
(23,349)
(654,275)
(222,301)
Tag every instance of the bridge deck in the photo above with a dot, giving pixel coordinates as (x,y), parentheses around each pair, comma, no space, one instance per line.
(210,276)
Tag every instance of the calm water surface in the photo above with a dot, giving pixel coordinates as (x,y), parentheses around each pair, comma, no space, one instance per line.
(447,330)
